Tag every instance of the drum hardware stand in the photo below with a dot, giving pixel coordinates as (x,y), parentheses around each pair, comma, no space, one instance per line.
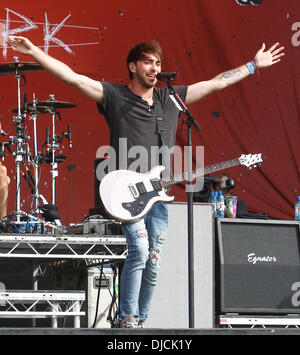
(51,107)
(20,153)
(36,159)
(36,194)
(22,150)
(54,146)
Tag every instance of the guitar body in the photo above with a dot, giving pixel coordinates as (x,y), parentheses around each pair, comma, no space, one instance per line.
(128,196)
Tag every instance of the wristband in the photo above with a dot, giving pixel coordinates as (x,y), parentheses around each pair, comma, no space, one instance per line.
(251,67)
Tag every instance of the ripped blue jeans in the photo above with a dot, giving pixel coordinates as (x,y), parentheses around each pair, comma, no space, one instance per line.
(145,239)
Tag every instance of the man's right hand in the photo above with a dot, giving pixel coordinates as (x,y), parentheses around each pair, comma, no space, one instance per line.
(89,87)
(20,44)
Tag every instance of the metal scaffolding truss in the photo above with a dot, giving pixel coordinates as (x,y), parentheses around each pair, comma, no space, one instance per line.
(49,246)
(47,251)
(42,304)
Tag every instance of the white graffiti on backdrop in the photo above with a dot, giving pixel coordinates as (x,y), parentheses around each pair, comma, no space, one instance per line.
(296,36)
(50,30)
(253,259)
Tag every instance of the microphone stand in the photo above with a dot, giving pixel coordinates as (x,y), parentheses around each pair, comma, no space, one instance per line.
(190,197)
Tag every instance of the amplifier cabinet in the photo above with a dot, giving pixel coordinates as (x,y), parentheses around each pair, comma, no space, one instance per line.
(258,266)
(170,305)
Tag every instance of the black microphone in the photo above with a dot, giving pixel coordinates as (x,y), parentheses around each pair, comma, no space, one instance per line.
(25,104)
(47,137)
(162,76)
(47,140)
(25,101)
(70,136)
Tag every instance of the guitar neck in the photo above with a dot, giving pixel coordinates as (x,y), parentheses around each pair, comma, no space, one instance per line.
(176,179)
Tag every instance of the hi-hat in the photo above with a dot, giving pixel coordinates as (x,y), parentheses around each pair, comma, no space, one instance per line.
(33,110)
(19,67)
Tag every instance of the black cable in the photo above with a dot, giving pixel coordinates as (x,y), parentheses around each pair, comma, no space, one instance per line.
(98,296)
(70,168)
(111,319)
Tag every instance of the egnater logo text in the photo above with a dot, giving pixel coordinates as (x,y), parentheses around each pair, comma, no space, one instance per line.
(253,259)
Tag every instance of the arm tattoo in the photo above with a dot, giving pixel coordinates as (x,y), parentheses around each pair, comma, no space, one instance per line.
(231,73)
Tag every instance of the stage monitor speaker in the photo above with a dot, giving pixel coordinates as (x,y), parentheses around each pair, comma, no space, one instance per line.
(258,268)
(170,304)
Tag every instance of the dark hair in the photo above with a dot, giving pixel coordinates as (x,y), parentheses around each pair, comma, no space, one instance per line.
(139,52)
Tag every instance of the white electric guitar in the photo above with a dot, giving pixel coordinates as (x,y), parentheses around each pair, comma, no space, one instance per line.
(128,196)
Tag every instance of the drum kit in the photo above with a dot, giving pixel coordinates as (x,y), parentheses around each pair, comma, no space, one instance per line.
(45,216)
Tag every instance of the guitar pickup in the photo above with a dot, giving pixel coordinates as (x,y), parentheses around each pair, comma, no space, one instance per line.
(141,188)
(156,184)
(133,190)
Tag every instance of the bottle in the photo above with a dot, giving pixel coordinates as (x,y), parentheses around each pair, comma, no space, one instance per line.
(212,199)
(220,204)
(216,194)
(297,209)
(214,202)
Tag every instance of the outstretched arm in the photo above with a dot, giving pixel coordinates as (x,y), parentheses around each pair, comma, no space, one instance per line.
(4,182)
(261,60)
(84,84)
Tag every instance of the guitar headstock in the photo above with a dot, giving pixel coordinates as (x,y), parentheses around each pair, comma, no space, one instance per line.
(250,160)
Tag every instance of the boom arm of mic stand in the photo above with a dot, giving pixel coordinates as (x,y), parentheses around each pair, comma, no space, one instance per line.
(181,105)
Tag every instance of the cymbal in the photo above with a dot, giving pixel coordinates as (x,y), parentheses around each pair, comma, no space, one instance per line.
(19,67)
(55,104)
(45,106)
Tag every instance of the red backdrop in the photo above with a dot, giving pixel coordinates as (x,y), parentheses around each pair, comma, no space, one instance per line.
(201,38)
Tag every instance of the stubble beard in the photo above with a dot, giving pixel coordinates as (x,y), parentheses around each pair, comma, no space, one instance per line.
(142,80)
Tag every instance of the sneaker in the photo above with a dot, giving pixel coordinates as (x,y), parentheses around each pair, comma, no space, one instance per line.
(141,324)
(129,322)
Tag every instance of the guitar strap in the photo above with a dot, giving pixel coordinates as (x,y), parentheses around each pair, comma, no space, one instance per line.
(161,130)
(160,123)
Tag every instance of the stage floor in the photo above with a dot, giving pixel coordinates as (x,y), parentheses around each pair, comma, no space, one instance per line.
(160,333)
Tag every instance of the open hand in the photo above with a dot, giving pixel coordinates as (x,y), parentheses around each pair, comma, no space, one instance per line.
(20,44)
(267,58)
